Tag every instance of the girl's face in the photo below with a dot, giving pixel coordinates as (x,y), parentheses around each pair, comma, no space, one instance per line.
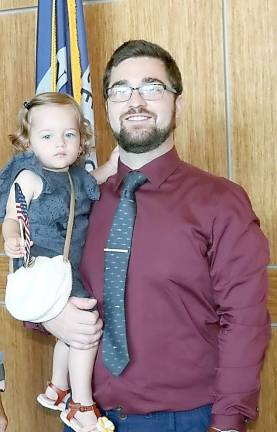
(55,135)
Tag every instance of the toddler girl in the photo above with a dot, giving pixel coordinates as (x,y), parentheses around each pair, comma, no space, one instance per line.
(53,137)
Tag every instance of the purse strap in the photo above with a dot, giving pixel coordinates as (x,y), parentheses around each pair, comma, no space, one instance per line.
(70,220)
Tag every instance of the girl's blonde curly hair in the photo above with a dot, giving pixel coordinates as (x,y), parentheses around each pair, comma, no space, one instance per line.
(21,138)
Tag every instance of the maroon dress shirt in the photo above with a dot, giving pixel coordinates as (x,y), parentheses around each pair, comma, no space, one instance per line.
(197,322)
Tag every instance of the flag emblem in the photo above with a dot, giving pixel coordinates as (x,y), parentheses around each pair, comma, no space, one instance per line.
(22,216)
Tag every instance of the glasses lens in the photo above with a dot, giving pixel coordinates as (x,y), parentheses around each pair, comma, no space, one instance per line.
(119,93)
(153,91)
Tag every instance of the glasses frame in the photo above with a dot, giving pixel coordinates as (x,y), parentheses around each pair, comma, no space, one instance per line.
(165,88)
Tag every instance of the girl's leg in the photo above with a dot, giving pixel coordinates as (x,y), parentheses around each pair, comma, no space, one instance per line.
(51,398)
(80,366)
(60,365)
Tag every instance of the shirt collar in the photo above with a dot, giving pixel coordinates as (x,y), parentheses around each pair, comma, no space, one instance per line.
(156,171)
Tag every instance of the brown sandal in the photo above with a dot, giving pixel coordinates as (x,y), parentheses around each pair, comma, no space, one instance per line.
(56,404)
(74,407)
(68,416)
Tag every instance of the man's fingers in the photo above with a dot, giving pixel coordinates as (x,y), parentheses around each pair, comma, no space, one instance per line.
(89,330)
(83,303)
(83,341)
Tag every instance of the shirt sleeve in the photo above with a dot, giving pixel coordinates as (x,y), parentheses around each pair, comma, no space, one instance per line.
(238,266)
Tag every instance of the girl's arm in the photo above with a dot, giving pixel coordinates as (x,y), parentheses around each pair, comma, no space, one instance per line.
(106,170)
(31,185)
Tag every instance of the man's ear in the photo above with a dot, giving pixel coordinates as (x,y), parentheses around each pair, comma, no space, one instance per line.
(180,105)
(107,111)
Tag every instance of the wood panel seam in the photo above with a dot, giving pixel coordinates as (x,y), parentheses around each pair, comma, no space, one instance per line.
(227,89)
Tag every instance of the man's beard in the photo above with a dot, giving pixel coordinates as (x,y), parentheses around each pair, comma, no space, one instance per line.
(144,140)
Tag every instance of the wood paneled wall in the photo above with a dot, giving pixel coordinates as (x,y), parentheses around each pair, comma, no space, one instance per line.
(226,50)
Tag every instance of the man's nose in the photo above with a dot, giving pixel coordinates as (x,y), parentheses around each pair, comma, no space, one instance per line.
(136,99)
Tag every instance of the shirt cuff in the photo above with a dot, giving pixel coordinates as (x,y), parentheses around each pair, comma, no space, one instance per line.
(36,326)
(2,385)
(228,422)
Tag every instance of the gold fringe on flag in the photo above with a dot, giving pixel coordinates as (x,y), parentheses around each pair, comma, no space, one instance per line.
(53,50)
(74,51)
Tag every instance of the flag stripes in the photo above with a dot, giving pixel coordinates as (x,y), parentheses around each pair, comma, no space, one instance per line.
(22,216)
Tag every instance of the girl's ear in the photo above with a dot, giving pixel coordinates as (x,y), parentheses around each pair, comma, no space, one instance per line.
(82,146)
(28,146)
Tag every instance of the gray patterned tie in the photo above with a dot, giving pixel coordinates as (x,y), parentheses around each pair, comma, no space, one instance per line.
(117,254)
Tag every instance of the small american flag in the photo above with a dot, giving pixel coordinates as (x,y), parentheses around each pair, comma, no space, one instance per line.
(22,216)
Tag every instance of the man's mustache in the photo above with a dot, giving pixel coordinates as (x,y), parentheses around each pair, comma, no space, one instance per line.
(139,110)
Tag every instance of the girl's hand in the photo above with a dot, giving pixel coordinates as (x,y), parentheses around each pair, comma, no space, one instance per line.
(14,246)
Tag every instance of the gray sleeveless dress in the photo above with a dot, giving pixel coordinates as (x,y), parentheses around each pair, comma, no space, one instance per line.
(48,214)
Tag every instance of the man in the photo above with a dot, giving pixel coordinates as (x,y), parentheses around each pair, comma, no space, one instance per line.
(195,297)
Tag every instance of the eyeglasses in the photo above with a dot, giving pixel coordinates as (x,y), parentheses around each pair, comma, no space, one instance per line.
(148,91)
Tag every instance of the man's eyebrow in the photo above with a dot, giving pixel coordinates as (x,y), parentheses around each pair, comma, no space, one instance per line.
(120,82)
(143,81)
(152,80)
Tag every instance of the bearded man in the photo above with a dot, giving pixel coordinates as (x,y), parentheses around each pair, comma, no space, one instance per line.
(190,345)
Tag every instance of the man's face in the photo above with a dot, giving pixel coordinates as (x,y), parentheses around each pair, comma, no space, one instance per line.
(141,125)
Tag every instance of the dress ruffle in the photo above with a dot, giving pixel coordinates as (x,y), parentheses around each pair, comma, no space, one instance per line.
(90,183)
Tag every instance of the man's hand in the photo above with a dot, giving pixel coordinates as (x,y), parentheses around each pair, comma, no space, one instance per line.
(76,327)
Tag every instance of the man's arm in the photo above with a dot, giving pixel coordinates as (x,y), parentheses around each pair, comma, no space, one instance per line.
(109,168)
(238,266)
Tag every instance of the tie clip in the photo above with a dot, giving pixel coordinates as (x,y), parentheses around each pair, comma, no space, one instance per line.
(116,250)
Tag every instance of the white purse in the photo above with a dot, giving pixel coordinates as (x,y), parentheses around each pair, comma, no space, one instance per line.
(40,291)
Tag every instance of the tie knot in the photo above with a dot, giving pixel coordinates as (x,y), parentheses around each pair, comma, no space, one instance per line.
(132,181)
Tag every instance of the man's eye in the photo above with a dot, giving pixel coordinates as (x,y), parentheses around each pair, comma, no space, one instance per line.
(120,90)
(152,88)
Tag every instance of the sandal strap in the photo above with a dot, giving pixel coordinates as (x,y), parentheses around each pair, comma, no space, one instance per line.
(60,393)
(75,406)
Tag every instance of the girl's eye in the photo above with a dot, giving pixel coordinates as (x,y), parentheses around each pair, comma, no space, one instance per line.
(46,137)
(70,134)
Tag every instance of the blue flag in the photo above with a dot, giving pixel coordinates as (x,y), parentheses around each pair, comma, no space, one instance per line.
(61,53)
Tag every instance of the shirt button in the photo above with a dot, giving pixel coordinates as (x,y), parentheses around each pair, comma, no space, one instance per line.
(118,408)
(123,416)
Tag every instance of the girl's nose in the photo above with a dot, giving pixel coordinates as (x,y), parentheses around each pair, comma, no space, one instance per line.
(60,142)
